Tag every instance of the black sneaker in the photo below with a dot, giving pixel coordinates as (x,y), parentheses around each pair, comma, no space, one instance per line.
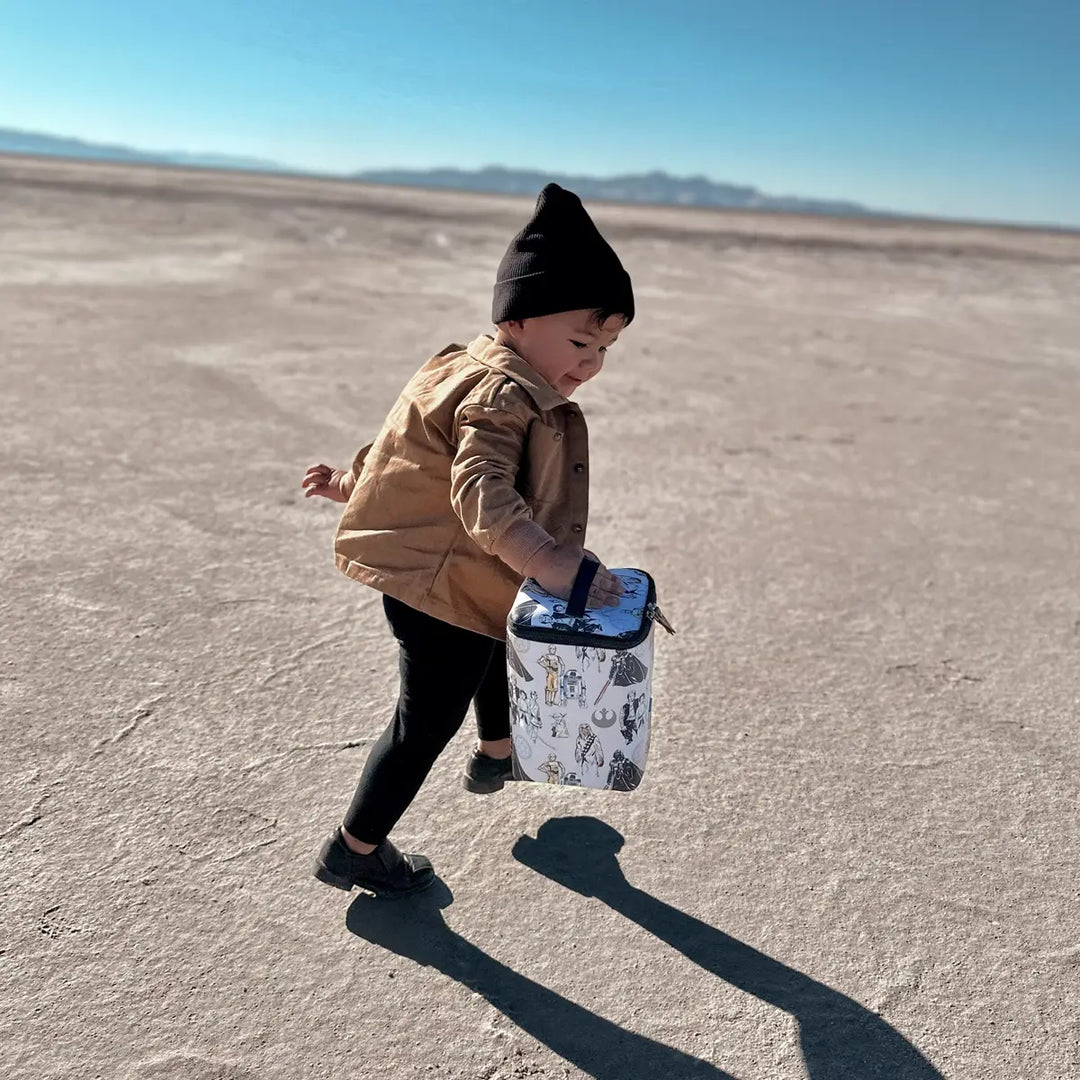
(484,774)
(386,872)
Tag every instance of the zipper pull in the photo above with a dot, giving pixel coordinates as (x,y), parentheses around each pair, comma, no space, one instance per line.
(656,614)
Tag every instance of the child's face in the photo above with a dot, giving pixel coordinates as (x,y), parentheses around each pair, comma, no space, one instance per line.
(566,348)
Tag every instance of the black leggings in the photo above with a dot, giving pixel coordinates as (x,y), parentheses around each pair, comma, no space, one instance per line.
(443,668)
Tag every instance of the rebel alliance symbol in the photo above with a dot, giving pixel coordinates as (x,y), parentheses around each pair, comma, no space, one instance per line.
(603,717)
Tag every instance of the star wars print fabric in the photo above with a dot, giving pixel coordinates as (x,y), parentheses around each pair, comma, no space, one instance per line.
(581,688)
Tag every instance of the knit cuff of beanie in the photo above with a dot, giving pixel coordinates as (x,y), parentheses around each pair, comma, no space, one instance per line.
(520,542)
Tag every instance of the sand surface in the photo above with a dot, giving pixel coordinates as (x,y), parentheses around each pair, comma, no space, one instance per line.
(849,452)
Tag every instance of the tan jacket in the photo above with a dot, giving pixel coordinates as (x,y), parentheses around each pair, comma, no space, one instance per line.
(479,464)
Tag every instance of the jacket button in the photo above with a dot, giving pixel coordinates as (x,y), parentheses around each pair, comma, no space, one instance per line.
(572,415)
(575,528)
(579,468)
(558,435)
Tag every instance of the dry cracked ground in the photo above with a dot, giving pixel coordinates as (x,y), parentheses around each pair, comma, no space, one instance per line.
(848,451)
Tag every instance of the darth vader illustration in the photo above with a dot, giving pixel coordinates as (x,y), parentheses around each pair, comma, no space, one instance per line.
(623,774)
(626,669)
(513,661)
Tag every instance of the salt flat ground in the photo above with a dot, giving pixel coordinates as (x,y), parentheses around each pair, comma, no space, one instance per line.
(848,452)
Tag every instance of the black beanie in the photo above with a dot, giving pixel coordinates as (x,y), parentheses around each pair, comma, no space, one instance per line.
(559,262)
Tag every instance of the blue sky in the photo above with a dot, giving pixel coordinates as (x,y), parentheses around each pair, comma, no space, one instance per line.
(964,108)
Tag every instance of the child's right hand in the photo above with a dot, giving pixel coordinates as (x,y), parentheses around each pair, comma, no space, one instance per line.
(555,567)
(330,483)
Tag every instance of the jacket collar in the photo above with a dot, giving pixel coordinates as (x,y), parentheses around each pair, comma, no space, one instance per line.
(500,358)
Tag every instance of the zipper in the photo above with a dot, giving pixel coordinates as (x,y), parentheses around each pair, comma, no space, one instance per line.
(652,611)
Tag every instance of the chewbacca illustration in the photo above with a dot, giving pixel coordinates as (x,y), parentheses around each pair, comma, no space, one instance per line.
(587,749)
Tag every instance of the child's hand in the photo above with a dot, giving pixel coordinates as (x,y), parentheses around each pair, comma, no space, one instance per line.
(328,482)
(554,567)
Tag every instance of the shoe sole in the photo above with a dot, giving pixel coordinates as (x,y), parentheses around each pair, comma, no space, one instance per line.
(482,787)
(347,885)
(324,875)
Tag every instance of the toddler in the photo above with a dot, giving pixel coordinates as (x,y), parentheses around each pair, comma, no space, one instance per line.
(478,479)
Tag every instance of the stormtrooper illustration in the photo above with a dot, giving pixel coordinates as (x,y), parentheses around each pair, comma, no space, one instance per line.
(558,726)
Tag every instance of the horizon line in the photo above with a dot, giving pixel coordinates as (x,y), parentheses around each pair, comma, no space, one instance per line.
(270,167)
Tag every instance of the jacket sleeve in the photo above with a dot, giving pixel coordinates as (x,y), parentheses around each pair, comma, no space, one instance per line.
(358,461)
(491,443)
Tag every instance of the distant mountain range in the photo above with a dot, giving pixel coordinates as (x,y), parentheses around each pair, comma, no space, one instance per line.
(654,187)
(31,142)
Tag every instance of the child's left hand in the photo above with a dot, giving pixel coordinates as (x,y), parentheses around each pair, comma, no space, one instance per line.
(328,482)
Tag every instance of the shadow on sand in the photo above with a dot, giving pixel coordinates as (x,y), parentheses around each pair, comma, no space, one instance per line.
(414,927)
(840,1039)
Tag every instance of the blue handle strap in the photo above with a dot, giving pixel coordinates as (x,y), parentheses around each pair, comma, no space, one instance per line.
(575,606)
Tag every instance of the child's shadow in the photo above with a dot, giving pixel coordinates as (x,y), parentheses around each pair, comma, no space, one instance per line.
(839,1037)
(414,928)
